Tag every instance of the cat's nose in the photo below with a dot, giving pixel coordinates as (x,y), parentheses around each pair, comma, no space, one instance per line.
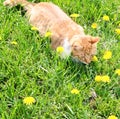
(87,61)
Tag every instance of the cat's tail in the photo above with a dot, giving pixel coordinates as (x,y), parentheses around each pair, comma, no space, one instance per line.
(27,5)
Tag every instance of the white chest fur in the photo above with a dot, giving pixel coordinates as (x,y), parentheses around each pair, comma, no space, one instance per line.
(67,49)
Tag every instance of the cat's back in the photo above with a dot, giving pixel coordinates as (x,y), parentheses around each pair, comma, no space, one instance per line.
(49,10)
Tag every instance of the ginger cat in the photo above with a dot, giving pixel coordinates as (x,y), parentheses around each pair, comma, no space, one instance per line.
(65,32)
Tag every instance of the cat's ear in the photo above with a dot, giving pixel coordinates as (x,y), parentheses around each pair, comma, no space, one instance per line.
(94,40)
(77,46)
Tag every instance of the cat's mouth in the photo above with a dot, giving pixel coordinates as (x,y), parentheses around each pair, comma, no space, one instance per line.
(76,59)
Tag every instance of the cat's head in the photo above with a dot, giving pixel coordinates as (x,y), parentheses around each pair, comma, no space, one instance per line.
(84,47)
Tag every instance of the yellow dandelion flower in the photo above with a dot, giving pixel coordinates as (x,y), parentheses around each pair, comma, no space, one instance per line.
(14,43)
(112,117)
(105,78)
(28,100)
(94,25)
(33,28)
(74,15)
(75,91)
(107,55)
(117,31)
(98,78)
(117,71)
(95,59)
(48,34)
(60,49)
(106,18)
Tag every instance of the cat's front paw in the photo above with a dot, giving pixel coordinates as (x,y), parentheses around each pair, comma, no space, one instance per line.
(8,3)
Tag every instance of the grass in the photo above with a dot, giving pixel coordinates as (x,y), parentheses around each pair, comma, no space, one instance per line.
(31,68)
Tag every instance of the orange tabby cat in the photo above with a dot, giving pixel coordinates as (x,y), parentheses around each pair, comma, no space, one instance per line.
(65,32)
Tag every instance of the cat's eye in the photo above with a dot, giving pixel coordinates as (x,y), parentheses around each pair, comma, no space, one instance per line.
(77,46)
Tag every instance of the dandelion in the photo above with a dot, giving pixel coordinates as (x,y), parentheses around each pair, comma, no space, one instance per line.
(98,78)
(112,117)
(74,15)
(13,43)
(117,31)
(117,71)
(28,100)
(106,18)
(105,78)
(94,25)
(60,49)
(33,28)
(107,55)
(75,91)
(48,34)
(95,59)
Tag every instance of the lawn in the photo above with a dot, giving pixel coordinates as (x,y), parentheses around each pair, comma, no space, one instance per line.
(61,88)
